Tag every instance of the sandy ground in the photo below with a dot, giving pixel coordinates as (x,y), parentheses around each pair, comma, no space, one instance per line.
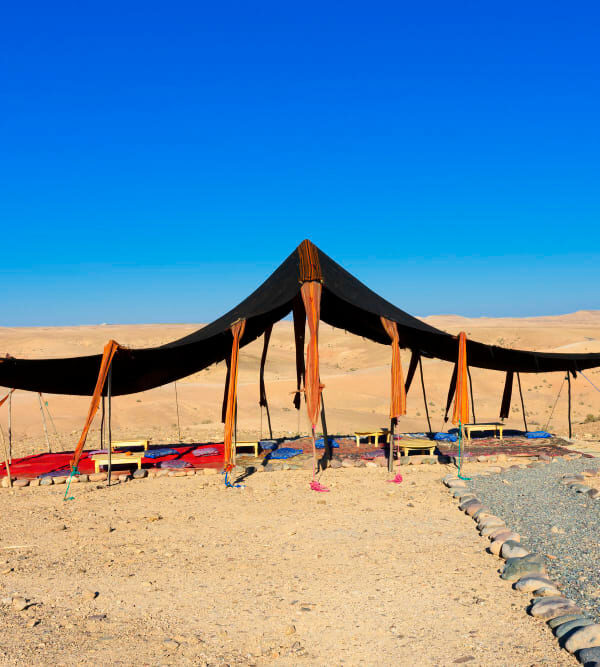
(187,572)
(355,373)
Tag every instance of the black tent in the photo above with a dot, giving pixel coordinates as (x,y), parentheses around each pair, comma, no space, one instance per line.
(346,303)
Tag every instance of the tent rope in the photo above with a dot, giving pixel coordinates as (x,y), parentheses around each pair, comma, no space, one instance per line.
(74,471)
(555,403)
(58,439)
(593,385)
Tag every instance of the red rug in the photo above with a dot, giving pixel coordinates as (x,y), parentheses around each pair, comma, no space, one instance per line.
(37,465)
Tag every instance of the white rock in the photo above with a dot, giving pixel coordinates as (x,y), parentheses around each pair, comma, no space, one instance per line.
(584,638)
(512,549)
(532,583)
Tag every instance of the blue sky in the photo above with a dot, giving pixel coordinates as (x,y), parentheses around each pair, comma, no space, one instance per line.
(160,159)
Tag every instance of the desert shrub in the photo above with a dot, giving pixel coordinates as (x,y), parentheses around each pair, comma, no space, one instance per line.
(591,418)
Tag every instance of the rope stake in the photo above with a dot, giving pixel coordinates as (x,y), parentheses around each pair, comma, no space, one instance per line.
(74,471)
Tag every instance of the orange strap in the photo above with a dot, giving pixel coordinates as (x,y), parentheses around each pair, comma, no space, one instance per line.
(3,401)
(461,397)
(398,401)
(237,330)
(311,296)
(107,356)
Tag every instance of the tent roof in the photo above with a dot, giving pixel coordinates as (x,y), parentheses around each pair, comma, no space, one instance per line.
(346,303)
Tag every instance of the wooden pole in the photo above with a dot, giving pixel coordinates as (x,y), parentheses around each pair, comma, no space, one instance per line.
(177,407)
(44,423)
(391,446)
(109,393)
(424,395)
(569,414)
(10,427)
(6,465)
(102,427)
(234,453)
(327,449)
(522,402)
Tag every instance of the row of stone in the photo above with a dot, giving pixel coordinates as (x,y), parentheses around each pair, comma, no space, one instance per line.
(116,477)
(578,483)
(576,632)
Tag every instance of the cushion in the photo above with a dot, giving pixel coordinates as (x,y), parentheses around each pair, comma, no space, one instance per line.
(206,451)
(285,453)
(158,453)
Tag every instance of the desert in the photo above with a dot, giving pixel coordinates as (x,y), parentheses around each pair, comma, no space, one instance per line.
(181,570)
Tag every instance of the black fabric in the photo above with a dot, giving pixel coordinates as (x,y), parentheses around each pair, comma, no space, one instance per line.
(415,357)
(346,303)
(299,335)
(451,391)
(472,395)
(507,395)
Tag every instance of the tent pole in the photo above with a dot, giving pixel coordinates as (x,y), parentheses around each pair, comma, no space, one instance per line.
(109,392)
(522,402)
(391,446)
(569,414)
(6,465)
(102,425)
(424,395)
(44,423)
(177,408)
(10,427)
(327,449)
(235,432)
(472,397)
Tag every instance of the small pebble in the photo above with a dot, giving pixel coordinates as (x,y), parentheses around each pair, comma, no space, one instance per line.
(19,603)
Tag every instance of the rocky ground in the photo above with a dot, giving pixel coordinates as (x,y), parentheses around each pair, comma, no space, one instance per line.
(182,571)
(554,520)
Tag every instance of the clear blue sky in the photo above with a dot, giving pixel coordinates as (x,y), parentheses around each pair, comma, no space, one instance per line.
(158,160)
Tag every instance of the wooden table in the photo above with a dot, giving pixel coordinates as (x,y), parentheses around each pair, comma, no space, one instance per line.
(247,443)
(128,444)
(117,458)
(371,434)
(411,445)
(497,426)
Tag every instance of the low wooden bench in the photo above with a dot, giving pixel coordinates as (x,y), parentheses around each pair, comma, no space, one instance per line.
(498,427)
(371,434)
(128,444)
(247,443)
(117,458)
(413,445)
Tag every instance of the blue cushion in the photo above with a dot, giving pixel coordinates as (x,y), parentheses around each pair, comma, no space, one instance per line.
(538,434)
(285,453)
(320,443)
(158,453)
(445,436)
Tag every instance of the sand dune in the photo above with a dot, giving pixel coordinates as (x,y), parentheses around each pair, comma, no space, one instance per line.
(355,373)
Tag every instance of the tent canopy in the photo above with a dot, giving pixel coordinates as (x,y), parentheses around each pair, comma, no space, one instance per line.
(346,303)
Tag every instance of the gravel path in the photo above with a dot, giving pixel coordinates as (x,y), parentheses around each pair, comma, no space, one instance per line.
(532,503)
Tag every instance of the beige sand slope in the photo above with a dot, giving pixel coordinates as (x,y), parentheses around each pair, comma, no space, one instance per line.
(355,373)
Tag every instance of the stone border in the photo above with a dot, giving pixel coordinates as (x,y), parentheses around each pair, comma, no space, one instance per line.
(576,482)
(122,476)
(576,632)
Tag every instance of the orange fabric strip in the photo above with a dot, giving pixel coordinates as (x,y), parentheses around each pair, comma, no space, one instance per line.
(311,296)
(310,267)
(107,356)
(237,331)
(461,397)
(3,401)
(398,400)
